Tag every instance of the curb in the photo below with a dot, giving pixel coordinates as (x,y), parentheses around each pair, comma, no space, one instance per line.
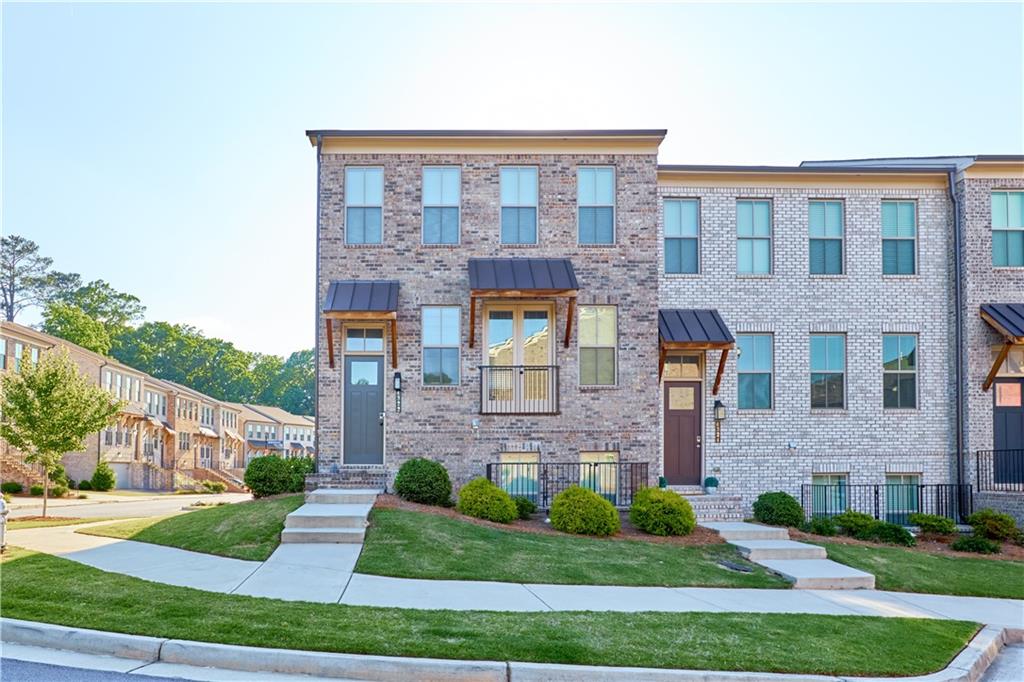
(967,666)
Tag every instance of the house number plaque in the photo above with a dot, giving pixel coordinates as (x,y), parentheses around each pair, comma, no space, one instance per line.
(680,398)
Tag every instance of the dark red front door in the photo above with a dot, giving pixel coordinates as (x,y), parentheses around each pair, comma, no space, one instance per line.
(682,432)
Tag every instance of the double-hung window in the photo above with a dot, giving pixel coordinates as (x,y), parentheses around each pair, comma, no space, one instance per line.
(441,341)
(19,351)
(1008,229)
(364,201)
(828,494)
(826,235)
(754,237)
(3,353)
(899,371)
(682,235)
(902,493)
(828,371)
(441,198)
(598,338)
(595,197)
(519,205)
(754,371)
(899,237)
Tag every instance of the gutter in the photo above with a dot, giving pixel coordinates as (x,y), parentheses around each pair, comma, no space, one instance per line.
(958,324)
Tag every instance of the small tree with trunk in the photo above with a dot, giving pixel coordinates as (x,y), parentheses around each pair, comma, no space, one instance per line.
(49,408)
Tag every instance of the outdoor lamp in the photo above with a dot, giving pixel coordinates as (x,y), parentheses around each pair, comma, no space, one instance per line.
(719,418)
(398,381)
(398,392)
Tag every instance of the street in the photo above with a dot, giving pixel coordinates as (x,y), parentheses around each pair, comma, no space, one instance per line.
(22,671)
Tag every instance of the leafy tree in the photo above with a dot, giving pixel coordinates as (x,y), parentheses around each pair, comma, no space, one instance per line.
(25,276)
(73,324)
(114,309)
(49,408)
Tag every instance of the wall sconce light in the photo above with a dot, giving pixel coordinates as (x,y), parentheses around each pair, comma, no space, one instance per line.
(398,391)
(719,418)
(398,381)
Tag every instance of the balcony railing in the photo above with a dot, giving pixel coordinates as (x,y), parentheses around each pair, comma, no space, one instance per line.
(999,470)
(889,502)
(541,481)
(518,389)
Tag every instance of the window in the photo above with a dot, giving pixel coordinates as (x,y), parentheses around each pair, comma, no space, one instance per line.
(595,196)
(1008,229)
(754,371)
(754,237)
(682,367)
(828,494)
(901,497)
(899,237)
(899,375)
(441,342)
(682,220)
(364,199)
(598,338)
(519,205)
(441,192)
(184,441)
(599,472)
(360,340)
(828,367)
(117,385)
(34,356)
(3,353)
(1013,365)
(826,234)
(19,351)
(519,474)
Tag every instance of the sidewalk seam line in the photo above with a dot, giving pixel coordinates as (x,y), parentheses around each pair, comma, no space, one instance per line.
(939,616)
(537,596)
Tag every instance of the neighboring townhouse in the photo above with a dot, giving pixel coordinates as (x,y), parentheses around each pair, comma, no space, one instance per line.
(232,444)
(273,431)
(296,432)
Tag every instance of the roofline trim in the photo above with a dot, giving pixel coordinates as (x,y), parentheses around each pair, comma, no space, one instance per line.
(825,170)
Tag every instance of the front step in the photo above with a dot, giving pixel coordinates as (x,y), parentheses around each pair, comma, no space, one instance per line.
(323,535)
(821,574)
(716,507)
(343,496)
(328,516)
(761,550)
(733,530)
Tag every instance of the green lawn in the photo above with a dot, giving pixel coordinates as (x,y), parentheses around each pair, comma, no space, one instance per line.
(15,524)
(905,570)
(410,544)
(247,530)
(40,587)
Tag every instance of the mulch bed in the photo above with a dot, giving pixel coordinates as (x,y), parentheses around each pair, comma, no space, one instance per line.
(700,535)
(928,545)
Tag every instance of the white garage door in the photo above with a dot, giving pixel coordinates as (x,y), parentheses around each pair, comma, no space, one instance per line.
(124,479)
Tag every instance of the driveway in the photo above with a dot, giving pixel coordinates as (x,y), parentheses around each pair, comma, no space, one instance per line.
(128,504)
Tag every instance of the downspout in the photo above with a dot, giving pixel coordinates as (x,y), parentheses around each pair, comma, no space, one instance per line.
(316,315)
(958,324)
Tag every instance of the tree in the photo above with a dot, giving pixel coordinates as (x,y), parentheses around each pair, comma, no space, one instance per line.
(25,276)
(114,309)
(73,324)
(49,408)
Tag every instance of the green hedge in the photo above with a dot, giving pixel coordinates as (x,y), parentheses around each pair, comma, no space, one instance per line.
(583,512)
(11,487)
(662,512)
(988,523)
(483,500)
(525,507)
(933,524)
(269,475)
(778,509)
(976,544)
(424,481)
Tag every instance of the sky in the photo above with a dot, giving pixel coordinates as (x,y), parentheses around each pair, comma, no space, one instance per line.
(160,147)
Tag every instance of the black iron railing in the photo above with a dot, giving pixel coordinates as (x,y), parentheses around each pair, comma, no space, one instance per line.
(999,470)
(518,389)
(893,502)
(541,481)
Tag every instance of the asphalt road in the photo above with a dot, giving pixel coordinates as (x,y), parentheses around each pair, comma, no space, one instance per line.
(23,671)
(123,507)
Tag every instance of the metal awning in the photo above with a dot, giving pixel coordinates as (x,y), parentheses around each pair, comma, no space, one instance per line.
(355,299)
(1008,320)
(694,329)
(167,427)
(295,445)
(264,444)
(232,434)
(521,278)
(208,432)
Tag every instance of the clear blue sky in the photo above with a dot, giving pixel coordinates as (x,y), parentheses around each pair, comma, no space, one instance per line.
(160,147)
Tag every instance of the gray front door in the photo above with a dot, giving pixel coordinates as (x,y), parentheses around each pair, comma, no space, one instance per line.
(364,409)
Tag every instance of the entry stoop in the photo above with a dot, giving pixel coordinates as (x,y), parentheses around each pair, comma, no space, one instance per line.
(716,507)
(330,515)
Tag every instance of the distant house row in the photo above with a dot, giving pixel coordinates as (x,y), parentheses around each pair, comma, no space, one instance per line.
(168,436)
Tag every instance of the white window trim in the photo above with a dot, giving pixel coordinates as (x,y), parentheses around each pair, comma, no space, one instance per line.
(916,238)
(535,206)
(580,347)
(842,239)
(665,238)
(915,372)
(771,375)
(348,205)
(424,205)
(457,346)
(771,235)
(614,205)
(845,373)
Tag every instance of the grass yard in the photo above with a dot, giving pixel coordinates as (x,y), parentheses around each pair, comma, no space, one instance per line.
(409,544)
(247,530)
(40,587)
(904,570)
(17,524)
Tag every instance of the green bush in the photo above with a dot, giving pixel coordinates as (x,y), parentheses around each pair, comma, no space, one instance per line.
(483,500)
(424,481)
(988,523)
(298,469)
(583,512)
(890,533)
(11,487)
(778,509)
(58,491)
(853,522)
(976,544)
(268,475)
(933,524)
(36,490)
(525,507)
(820,525)
(103,478)
(662,512)
(216,487)
(85,484)
(60,476)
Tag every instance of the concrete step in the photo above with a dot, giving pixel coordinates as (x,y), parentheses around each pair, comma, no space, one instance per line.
(741,530)
(343,496)
(687,489)
(760,550)
(716,507)
(328,516)
(820,574)
(322,535)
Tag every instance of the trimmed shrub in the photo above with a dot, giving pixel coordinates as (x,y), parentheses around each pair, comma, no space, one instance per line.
(662,512)
(933,524)
(424,481)
(103,478)
(853,522)
(820,525)
(85,484)
(72,484)
(36,490)
(889,533)
(60,476)
(268,475)
(583,512)
(525,507)
(976,544)
(298,469)
(778,509)
(216,487)
(988,523)
(58,491)
(11,487)
(482,499)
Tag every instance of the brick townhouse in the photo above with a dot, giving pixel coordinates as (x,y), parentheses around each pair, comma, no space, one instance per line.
(545,307)
(270,430)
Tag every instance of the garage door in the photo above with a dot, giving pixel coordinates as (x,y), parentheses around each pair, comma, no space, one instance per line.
(124,479)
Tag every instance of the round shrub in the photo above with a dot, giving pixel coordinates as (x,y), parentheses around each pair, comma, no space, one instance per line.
(890,533)
(269,475)
(216,487)
(36,490)
(933,524)
(662,512)
(298,469)
(778,509)
(820,525)
(103,478)
(854,522)
(58,491)
(988,523)
(11,487)
(976,544)
(85,484)
(583,512)
(525,507)
(60,476)
(483,500)
(425,481)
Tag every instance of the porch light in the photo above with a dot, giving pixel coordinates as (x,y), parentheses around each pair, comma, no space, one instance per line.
(398,381)
(719,418)
(398,392)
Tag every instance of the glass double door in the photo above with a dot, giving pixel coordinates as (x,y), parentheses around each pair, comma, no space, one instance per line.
(519,375)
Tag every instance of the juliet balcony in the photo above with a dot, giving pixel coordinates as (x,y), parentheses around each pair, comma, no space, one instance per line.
(519,389)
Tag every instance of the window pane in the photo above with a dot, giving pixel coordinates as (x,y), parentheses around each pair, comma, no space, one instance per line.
(354,340)
(450,186)
(355,230)
(907,219)
(999,212)
(905,257)
(432,186)
(890,219)
(588,225)
(606,325)
(431,225)
(890,352)
(834,257)
(373,186)
(690,217)
(762,219)
(816,219)
(836,353)
(355,191)
(431,326)
(450,326)
(745,255)
(1000,255)
(372,225)
(673,219)
(509,186)
(890,391)
(528,186)
(834,219)
(588,366)
(588,326)
(510,226)
(819,354)
(817,252)
(450,365)
(432,366)
(587,190)
(673,256)
(375,340)
(449,225)
(744,218)
(762,256)
(605,366)
(754,392)
(908,391)
(605,186)
(605,229)
(1015,248)
(691,262)
(1015,209)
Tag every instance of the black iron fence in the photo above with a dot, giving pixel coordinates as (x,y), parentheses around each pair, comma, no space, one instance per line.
(893,502)
(518,389)
(999,470)
(541,481)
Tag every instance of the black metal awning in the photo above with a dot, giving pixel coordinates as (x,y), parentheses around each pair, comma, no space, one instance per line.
(693,329)
(1008,320)
(355,299)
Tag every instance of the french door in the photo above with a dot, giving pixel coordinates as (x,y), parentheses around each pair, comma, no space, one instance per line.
(519,376)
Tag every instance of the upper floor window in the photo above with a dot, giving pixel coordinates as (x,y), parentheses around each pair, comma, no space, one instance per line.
(682,220)
(598,339)
(899,237)
(34,356)
(519,205)
(441,198)
(828,371)
(1008,229)
(441,341)
(754,371)
(595,197)
(754,237)
(19,352)
(826,233)
(364,201)
(3,353)
(899,375)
